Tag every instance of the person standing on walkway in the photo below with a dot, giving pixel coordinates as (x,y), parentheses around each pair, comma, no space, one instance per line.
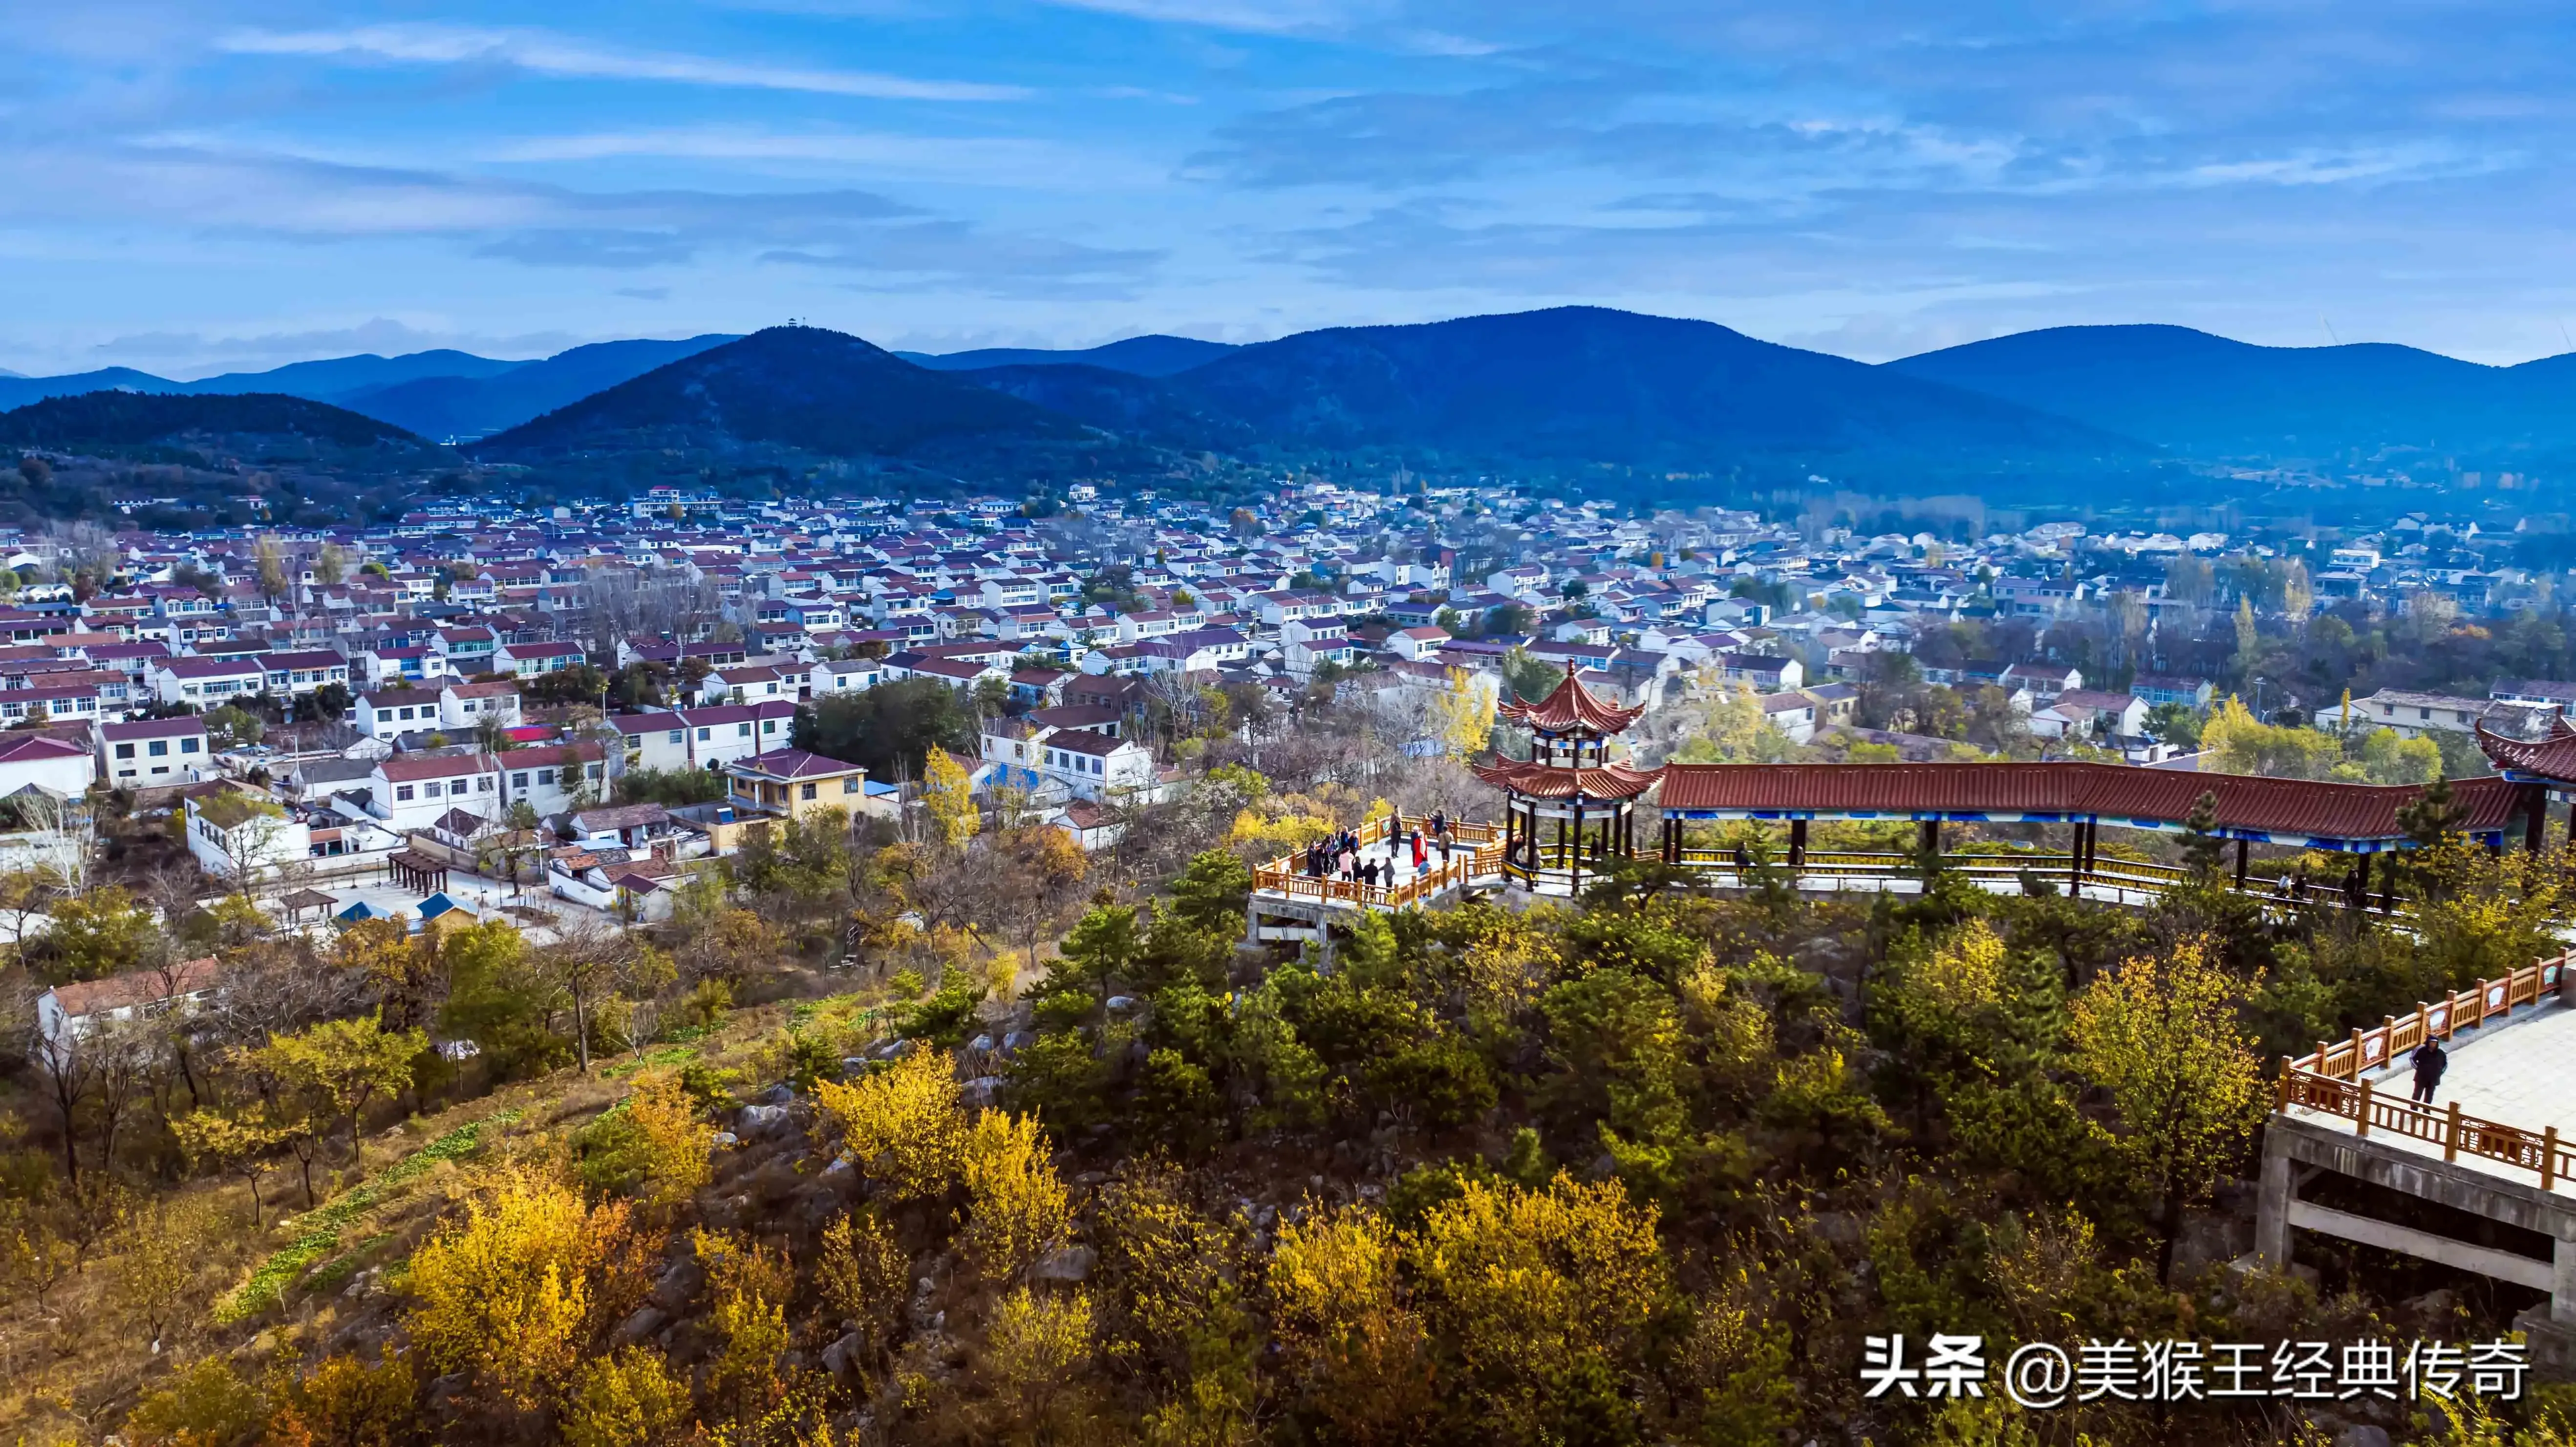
(2430,1061)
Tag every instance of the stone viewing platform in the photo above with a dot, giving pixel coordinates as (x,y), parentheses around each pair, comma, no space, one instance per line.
(2499,1142)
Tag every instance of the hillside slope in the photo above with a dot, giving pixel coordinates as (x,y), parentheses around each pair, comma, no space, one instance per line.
(2194,392)
(115,420)
(1590,385)
(802,389)
(473,406)
(1148,356)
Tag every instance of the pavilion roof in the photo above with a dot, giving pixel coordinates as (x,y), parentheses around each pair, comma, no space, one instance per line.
(2553,757)
(1571,706)
(1546,781)
(2115,793)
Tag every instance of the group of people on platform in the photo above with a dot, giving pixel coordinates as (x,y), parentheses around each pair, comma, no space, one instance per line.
(1343,856)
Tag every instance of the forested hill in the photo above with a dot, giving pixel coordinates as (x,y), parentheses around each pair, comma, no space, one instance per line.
(119,420)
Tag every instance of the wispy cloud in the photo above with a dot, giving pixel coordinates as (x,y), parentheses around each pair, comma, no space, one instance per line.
(1273,17)
(1023,161)
(541,53)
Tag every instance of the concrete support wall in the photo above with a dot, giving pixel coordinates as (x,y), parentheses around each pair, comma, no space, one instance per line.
(2293,1148)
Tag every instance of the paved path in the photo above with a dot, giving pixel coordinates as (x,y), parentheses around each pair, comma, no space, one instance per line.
(2519,1072)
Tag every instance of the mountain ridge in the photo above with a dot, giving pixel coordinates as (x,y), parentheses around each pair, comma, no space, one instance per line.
(2199,393)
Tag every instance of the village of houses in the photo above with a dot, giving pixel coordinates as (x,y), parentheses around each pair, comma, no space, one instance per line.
(419,756)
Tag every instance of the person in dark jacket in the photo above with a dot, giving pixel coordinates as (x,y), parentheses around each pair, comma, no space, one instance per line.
(2430,1061)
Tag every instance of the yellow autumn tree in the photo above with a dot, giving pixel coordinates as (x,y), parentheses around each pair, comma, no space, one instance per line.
(2164,1035)
(2244,744)
(1963,973)
(1035,1354)
(902,1126)
(748,1287)
(1462,713)
(630,1399)
(1540,1295)
(1345,1330)
(948,795)
(504,1292)
(1731,728)
(676,1142)
(1019,1203)
(864,1276)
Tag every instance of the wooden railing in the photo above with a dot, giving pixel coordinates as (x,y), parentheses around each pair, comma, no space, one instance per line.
(2333,1079)
(1476,852)
(2105,869)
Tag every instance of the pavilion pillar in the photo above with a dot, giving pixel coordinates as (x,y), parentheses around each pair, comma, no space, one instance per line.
(1575,882)
(2092,845)
(1797,844)
(2242,845)
(1931,841)
(1511,818)
(2361,883)
(2535,818)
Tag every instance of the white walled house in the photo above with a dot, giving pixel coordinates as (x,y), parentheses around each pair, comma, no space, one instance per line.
(153,751)
(290,675)
(464,706)
(383,715)
(66,1013)
(37,761)
(704,738)
(549,779)
(844,675)
(235,834)
(528,659)
(207,682)
(1094,765)
(412,791)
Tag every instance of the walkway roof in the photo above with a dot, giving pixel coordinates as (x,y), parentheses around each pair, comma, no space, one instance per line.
(2360,817)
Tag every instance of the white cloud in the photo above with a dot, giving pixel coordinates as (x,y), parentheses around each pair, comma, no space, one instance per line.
(1269,17)
(544,54)
(973,160)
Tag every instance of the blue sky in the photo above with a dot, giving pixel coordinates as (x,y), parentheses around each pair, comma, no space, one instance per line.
(187,187)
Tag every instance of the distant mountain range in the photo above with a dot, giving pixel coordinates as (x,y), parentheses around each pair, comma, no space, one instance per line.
(1576,386)
(2199,394)
(437,394)
(1572,390)
(1152,356)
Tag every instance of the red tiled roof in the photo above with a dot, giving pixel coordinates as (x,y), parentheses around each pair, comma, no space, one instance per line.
(1543,781)
(2107,791)
(136,987)
(1570,706)
(2554,756)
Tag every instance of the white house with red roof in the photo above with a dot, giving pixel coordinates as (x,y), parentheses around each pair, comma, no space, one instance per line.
(34,760)
(413,791)
(146,752)
(65,1013)
(207,682)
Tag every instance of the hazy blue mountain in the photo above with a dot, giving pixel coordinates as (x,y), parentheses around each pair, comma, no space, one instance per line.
(335,377)
(1586,384)
(1148,409)
(106,422)
(471,406)
(19,391)
(797,389)
(2193,392)
(1150,356)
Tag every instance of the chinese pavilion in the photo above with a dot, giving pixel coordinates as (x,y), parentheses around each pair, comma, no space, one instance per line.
(1568,780)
